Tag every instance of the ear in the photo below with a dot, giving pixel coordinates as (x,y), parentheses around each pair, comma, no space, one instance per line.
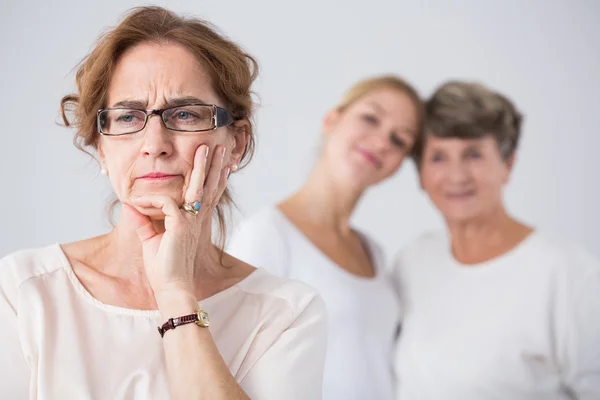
(330,120)
(101,155)
(420,177)
(240,140)
(510,163)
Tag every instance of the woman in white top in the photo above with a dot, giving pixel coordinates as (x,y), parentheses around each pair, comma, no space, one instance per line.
(308,236)
(493,309)
(165,101)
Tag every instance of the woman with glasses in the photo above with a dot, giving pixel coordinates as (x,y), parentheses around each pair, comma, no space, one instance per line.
(309,235)
(493,308)
(153,309)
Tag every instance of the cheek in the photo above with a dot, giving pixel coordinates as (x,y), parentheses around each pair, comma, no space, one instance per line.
(119,156)
(394,162)
(487,176)
(432,178)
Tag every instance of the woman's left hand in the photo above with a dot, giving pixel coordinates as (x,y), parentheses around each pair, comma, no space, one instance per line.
(169,257)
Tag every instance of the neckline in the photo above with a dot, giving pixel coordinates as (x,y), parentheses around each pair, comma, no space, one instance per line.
(492,262)
(132,311)
(342,271)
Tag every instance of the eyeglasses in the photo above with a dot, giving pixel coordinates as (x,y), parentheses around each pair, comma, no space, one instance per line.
(184,118)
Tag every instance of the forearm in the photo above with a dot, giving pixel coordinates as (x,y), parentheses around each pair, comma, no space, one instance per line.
(195,367)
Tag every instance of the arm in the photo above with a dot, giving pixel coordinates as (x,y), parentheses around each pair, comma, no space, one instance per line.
(14,371)
(292,368)
(195,367)
(177,261)
(579,351)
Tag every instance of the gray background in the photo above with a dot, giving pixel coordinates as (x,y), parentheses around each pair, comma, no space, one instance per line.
(544,54)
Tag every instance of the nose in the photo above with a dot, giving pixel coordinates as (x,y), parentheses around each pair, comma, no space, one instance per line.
(381,140)
(457,172)
(157,139)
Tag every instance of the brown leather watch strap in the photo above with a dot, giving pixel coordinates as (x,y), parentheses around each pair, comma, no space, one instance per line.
(199,317)
(173,323)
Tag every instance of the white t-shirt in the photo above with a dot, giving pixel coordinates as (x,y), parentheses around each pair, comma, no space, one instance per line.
(523,326)
(363,313)
(58,342)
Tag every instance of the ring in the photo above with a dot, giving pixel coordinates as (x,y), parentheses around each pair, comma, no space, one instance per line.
(192,208)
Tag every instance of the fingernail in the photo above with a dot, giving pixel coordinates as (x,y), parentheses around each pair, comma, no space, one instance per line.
(228,171)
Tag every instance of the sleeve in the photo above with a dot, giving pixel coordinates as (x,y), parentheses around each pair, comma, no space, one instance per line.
(14,371)
(292,368)
(259,242)
(579,352)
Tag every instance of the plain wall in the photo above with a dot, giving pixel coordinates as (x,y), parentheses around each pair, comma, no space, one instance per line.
(543,54)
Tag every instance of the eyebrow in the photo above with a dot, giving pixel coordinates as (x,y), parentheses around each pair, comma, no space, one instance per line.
(141,105)
(377,106)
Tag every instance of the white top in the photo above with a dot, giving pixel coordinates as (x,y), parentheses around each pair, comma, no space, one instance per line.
(58,342)
(523,326)
(363,313)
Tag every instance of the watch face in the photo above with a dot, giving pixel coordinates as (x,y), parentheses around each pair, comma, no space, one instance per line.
(203,318)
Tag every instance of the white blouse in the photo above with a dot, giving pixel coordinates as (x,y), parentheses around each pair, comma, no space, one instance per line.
(58,342)
(522,326)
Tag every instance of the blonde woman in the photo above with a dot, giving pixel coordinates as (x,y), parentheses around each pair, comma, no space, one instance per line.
(309,236)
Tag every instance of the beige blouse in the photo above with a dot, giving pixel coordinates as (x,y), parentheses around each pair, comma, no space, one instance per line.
(58,342)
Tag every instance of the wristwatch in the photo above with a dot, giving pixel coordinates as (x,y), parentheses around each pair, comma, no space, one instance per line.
(200,318)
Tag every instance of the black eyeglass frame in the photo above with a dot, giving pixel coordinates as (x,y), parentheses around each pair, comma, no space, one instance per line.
(220,117)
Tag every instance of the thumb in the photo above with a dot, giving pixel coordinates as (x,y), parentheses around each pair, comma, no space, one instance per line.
(141,223)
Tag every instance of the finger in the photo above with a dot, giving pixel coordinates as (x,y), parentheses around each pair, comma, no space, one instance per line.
(142,223)
(198,175)
(214,173)
(221,187)
(164,203)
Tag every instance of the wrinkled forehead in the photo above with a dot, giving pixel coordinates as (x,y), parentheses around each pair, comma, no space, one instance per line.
(153,74)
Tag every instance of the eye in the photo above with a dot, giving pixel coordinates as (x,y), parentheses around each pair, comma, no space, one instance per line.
(371,119)
(397,141)
(437,157)
(126,117)
(184,115)
(474,154)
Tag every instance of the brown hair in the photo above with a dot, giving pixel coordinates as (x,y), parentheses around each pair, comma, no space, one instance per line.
(231,69)
(366,86)
(470,110)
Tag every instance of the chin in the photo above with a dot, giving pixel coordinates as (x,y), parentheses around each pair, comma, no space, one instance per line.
(461,216)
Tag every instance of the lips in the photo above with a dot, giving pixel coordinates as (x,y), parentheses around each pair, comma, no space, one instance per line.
(370,158)
(158,176)
(460,195)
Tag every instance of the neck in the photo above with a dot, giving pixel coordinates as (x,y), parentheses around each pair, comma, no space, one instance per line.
(127,263)
(486,237)
(324,200)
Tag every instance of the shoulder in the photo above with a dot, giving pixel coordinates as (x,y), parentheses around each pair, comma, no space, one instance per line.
(427,245)
(267,223)
(266,218)
(565,256)
(25,265)
(293,295)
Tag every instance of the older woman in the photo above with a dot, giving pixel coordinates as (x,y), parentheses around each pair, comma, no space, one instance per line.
(165,101)
(494,309)
(309,236)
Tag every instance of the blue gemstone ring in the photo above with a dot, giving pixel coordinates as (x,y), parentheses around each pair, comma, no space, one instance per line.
(192,208)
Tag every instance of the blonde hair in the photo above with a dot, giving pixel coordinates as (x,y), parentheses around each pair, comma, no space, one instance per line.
(366,86)
(470,110)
